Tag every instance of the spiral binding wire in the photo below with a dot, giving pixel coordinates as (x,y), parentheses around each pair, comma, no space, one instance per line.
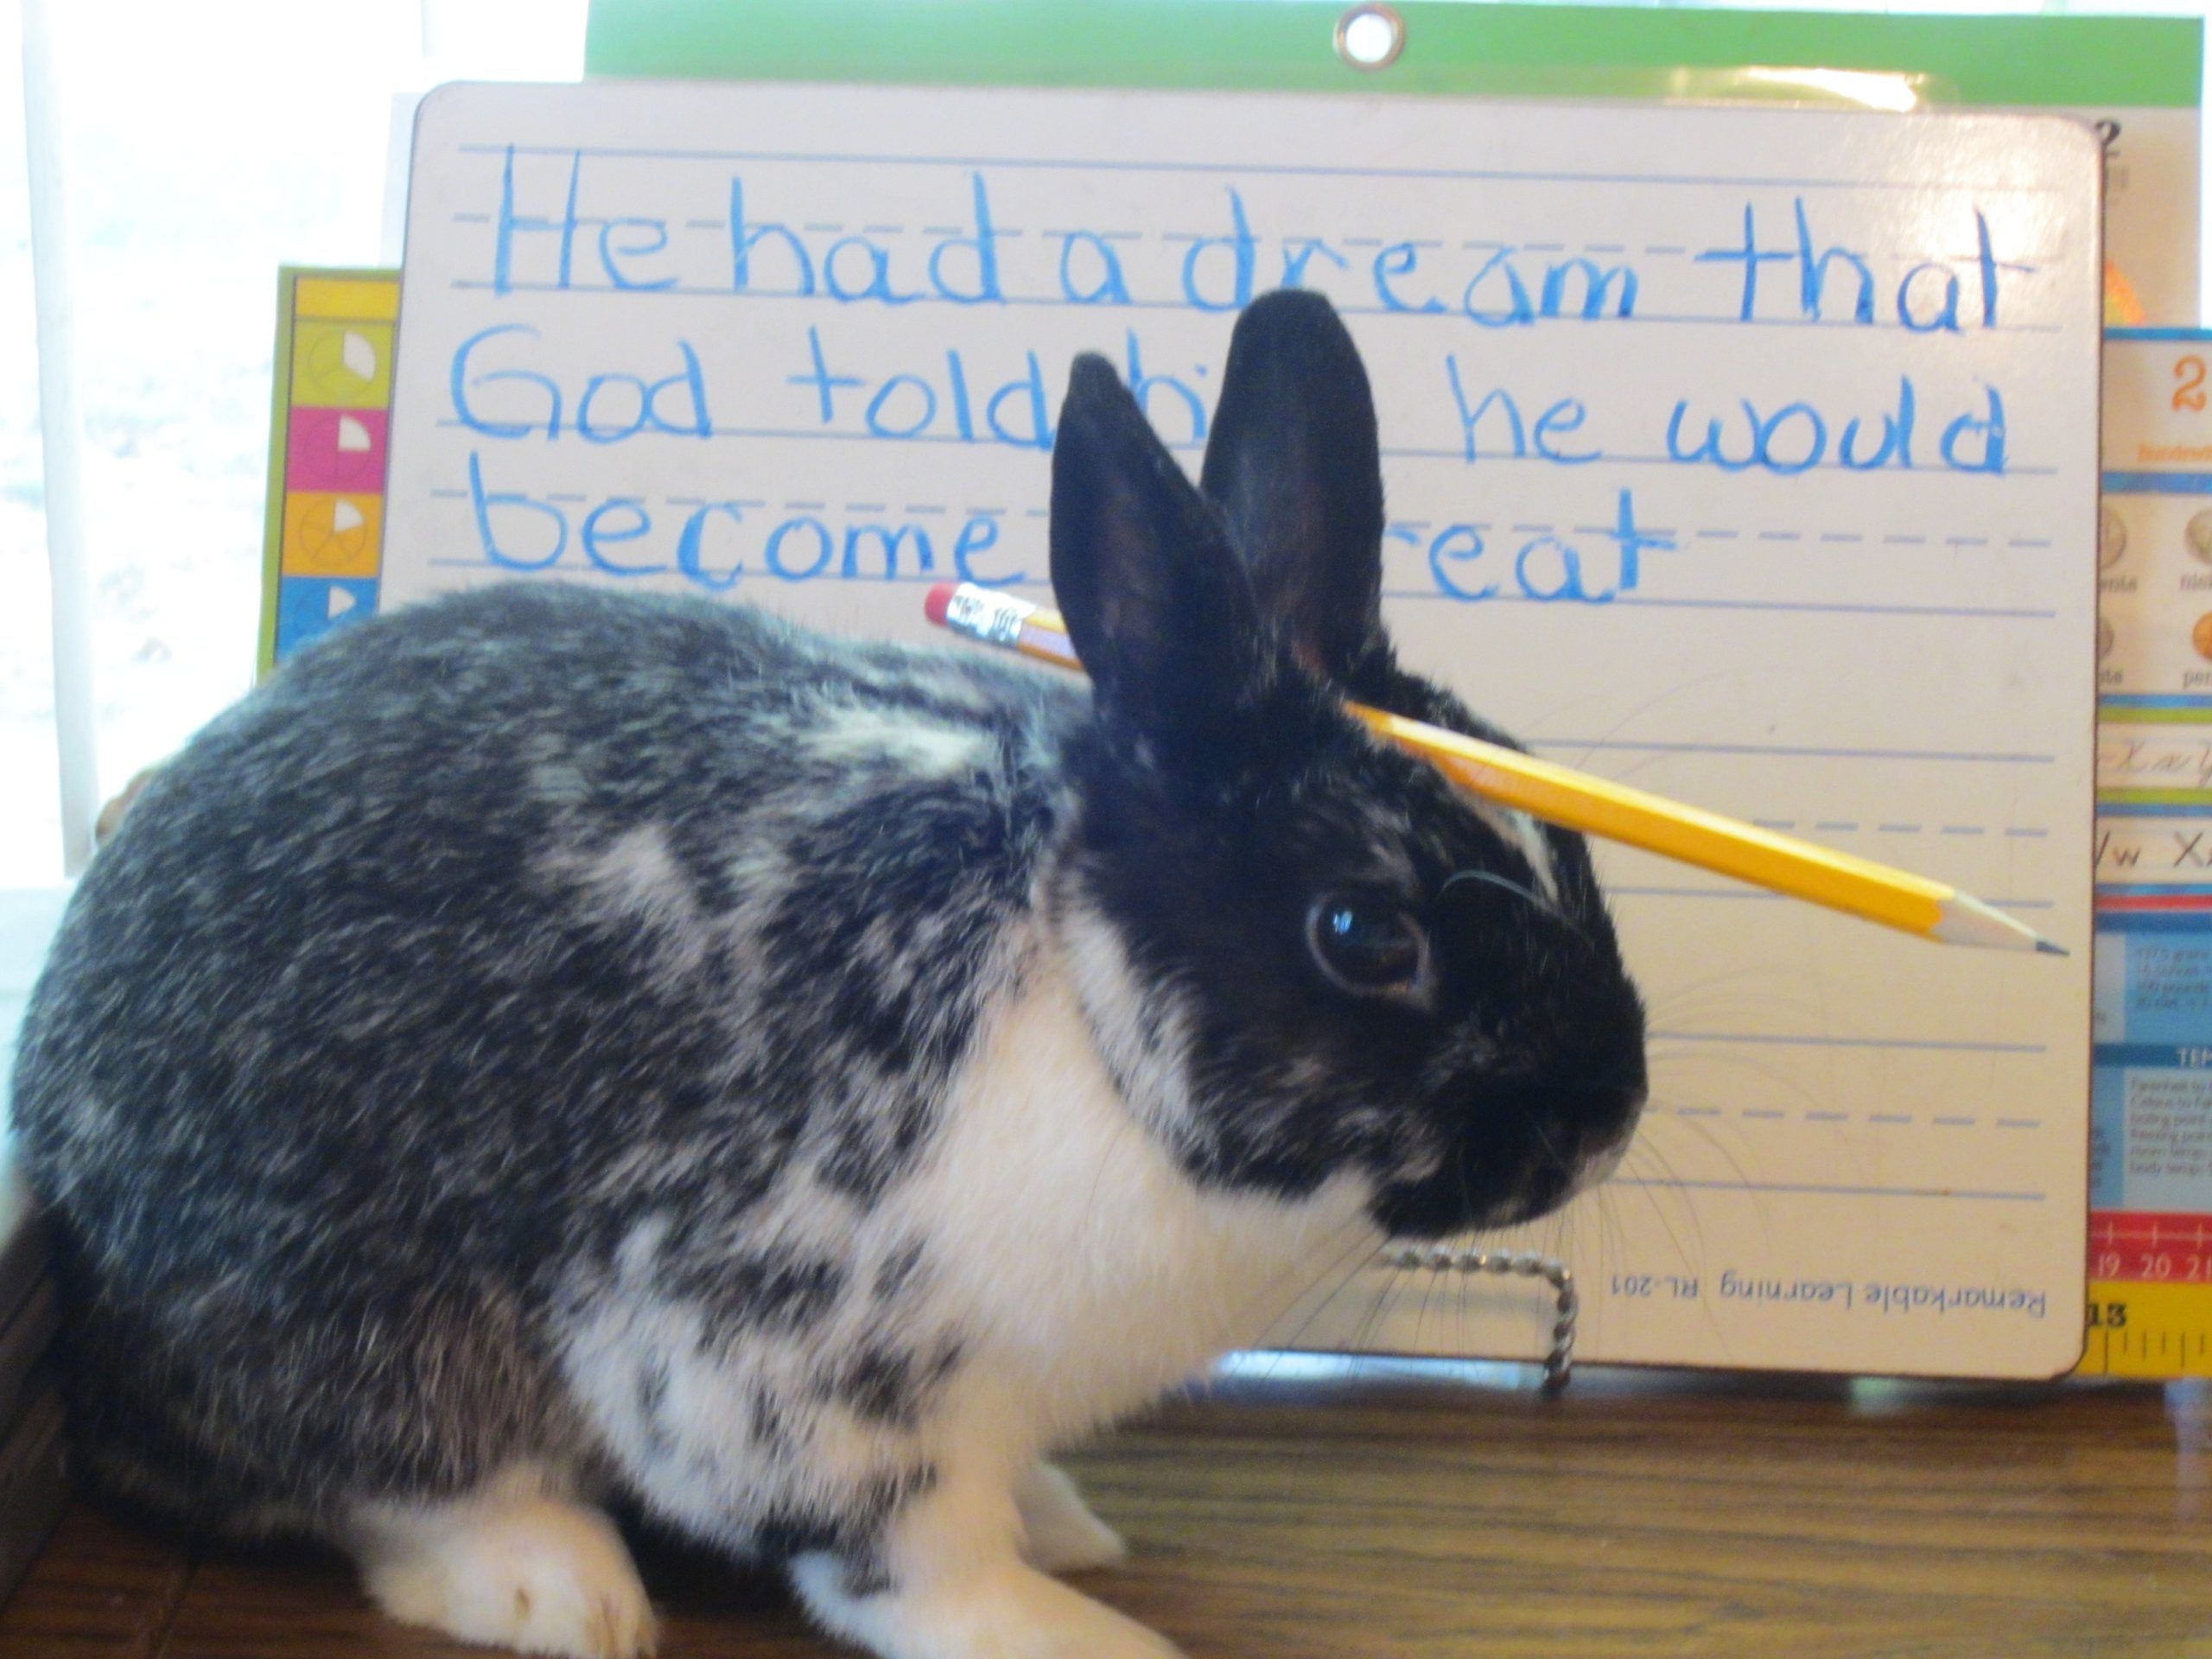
(1559,1364)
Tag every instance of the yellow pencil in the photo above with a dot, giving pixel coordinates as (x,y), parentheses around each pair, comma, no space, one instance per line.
(1596,806)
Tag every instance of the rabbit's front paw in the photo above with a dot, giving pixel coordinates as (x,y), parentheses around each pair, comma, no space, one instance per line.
(537,1574)
(1064,1626)
(1059,1532)
(1015,1613)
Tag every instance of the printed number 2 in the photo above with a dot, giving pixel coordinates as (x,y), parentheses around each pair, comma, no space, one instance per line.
(2189,383)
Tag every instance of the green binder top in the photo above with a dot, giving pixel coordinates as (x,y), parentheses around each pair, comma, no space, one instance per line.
(1560,51)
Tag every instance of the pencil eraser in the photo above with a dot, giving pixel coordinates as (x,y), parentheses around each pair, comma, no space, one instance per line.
(936,601)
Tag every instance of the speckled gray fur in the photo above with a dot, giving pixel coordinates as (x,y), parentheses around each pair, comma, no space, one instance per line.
(359,945)
(616,1035)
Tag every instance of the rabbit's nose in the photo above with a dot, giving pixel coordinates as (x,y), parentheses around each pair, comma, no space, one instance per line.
(1600,1148)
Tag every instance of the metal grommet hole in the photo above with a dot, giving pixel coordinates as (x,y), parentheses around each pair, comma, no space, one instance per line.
(1370,35)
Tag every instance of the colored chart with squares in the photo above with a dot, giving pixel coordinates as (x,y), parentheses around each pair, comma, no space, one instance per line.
(2150,1266)
(331,444)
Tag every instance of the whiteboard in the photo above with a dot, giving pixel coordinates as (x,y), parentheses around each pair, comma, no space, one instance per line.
(1748,455)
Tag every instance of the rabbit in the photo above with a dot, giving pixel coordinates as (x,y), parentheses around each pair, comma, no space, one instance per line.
(549,1051)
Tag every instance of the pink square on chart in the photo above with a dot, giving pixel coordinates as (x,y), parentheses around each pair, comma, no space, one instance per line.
(336,449)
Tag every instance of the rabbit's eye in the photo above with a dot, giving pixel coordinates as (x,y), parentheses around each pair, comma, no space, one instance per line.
(1367,945)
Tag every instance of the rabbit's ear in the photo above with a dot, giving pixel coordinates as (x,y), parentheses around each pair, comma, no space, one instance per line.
(1293,465)
(1155,600)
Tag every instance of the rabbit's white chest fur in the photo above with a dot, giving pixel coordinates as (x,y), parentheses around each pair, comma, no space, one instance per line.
(1103,1273)
(1071,1271)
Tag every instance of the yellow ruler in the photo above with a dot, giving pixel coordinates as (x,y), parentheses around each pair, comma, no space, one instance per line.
(2148,1330)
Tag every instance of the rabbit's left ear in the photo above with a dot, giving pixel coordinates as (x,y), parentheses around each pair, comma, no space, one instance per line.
(1157,604)
(1292,464)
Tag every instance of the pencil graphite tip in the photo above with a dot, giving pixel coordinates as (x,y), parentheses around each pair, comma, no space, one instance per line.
(1967,920)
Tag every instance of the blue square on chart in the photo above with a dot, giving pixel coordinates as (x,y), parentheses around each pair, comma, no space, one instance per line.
(2169,987)
(2107,1137)
(310,607)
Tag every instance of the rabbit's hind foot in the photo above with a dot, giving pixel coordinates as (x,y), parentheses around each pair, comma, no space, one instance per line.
(511,1565)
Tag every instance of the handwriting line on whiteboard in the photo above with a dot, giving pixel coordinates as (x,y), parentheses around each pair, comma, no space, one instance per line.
(1853,826)
(1829,538)
(1998,757)
(1902,257)
(509,429)
(1414,526)
(1413,596)
(1346,307)
(928,576)
(1886,1119)
(1281,169)
(2013,469)
(1819,1189)
(1772,607)
(1754,895)
(1810,1040)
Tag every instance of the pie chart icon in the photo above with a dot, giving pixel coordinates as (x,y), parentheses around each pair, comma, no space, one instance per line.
(341,364)
(333,535)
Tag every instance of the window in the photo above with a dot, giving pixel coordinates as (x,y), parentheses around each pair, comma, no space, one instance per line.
(219,143)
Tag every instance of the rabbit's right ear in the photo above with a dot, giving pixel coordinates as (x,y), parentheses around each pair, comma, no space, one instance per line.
(1157,603)
(1293,464)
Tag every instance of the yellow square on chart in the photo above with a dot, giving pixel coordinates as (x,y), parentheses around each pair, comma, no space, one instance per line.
(341,364)
(348,299)
(328,535)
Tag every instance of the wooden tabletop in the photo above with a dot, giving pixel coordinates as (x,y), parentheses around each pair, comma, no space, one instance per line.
(1390,1512)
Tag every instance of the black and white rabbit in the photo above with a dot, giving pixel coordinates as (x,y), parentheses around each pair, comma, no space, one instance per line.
(546,1047)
